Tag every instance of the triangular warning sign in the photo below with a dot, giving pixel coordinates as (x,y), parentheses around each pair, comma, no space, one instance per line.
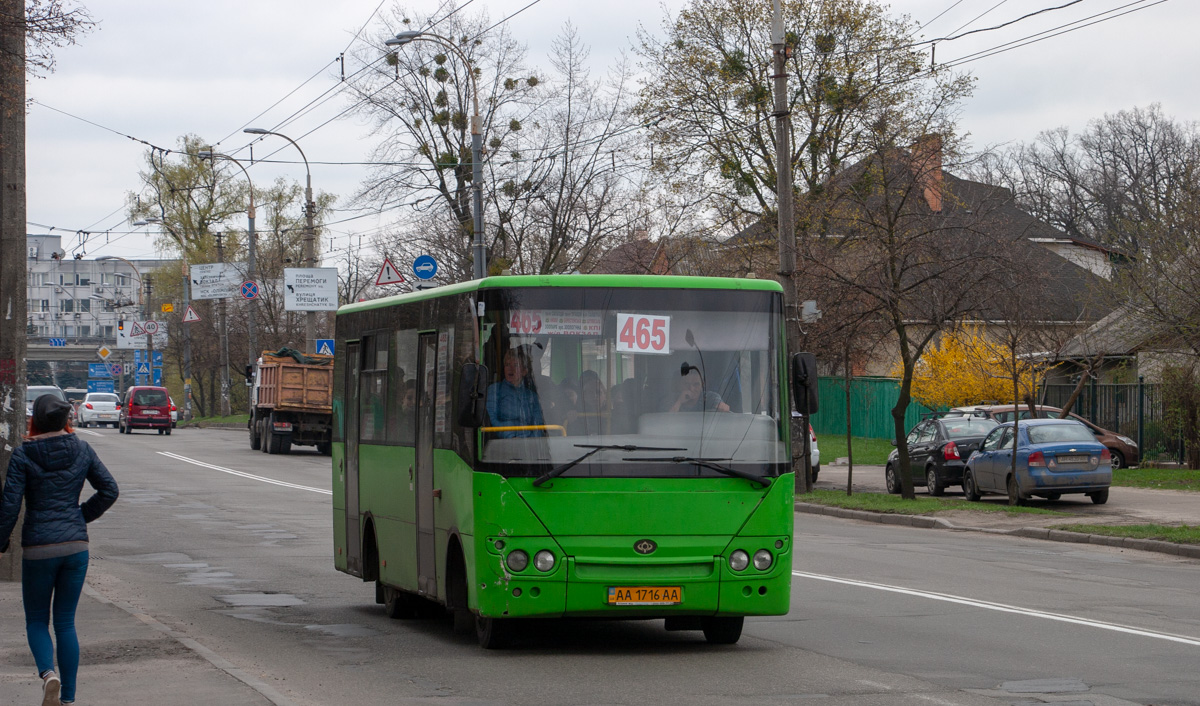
(138,329)
(388,274)
(190,315)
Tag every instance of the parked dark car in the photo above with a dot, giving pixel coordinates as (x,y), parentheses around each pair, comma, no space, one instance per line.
(937,452)
(1054,457)
(146,408)
(1124,450)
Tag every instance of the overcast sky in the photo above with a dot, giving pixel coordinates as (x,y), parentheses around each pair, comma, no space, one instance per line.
(155,71)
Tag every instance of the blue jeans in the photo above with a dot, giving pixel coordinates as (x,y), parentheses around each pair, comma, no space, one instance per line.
(60,579)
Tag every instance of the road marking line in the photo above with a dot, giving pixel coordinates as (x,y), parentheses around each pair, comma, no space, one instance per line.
(1000,607)
(243,474)
(86,431)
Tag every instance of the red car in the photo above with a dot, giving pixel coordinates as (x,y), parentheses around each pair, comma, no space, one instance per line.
(145,408)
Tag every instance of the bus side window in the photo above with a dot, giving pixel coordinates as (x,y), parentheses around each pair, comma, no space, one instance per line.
(402,400)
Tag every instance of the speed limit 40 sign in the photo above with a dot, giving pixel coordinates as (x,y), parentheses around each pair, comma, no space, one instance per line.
(643,333)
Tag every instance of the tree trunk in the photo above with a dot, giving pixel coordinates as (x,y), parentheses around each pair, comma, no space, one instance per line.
(849,431)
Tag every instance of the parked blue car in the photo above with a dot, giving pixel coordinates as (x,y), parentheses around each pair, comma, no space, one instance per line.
(1054,457)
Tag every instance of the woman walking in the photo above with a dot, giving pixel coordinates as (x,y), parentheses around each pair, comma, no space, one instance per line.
(48,472)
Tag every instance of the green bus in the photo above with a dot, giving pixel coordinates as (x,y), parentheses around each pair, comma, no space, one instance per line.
(567,446)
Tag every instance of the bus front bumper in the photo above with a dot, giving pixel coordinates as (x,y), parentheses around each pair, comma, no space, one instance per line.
(581,588)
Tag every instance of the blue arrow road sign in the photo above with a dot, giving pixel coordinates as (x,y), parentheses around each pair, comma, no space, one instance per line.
(425,266)
(58,342)
(325,346)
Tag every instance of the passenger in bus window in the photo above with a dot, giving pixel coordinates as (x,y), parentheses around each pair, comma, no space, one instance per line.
(593,406)
(512,401)
(694,398)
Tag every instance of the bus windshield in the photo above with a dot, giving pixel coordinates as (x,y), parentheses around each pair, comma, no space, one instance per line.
(633,382)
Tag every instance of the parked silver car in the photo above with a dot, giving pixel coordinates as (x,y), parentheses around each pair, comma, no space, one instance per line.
(35,391)
(100,408)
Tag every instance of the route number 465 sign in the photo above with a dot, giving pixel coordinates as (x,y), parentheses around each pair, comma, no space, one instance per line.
(641,333)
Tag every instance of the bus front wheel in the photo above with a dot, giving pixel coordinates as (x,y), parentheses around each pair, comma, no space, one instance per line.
(493,633)
(723,631)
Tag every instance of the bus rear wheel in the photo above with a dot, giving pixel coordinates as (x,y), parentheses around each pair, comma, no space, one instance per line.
(723,631)
(493,633)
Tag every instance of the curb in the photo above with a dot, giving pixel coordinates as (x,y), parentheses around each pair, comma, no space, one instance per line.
(923,521)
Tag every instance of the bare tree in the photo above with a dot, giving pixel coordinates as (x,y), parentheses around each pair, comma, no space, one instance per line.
(47,25)
(899,238)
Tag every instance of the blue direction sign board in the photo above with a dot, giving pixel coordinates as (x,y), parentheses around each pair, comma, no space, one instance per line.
(249,289)
(140,356)
(157,377)
(58,342)
(425,266)
(100,386)
(99,370)
(325,346)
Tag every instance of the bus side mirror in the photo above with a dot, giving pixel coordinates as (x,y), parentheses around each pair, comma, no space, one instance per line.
(804,383)
(472,395)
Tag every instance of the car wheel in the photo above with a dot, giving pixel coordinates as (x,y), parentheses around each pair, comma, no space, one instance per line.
(892,480)
(815,471)
(1118,460)
(168,431)
(1053,496)
(968,486)
(932,483)
(722,631)
(1100,496)
(325,448)
(1014,492)
(397,604)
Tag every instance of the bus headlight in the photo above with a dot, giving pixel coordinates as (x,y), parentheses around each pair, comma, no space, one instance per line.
(739,560)
(763,559)
(517,560)
(543,560)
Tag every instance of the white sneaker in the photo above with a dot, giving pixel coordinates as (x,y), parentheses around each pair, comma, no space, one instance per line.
(51,685)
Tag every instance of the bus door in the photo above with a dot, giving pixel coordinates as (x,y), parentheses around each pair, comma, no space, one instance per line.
(426,408)
(351,411)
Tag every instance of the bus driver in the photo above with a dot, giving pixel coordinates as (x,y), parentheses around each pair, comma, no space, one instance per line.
(512,402)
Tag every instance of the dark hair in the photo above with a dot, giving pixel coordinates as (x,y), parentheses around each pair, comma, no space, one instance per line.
(34,431)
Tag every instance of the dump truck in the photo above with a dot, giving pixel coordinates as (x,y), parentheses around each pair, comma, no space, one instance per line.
(291,402)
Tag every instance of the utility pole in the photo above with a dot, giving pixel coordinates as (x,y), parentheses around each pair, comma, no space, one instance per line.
(225,411)
(12,252)
(787,225)
(147,312)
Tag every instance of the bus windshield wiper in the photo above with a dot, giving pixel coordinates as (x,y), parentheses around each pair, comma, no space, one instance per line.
(707,463)
(594,448)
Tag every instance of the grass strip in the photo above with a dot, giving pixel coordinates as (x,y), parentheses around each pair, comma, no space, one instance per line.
(1183,534)
(1156,478)
(231,419)
(866,451)
(922,505)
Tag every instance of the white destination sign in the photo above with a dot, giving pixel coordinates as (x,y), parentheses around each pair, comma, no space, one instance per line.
(219,280)
(310,289)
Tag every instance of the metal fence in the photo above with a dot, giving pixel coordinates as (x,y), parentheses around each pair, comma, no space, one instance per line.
(1133,409)
(871,402)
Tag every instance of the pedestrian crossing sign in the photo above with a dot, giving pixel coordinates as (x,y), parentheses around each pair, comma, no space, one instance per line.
(143,368)
(325,346)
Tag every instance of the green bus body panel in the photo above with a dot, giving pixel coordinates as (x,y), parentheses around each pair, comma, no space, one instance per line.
(592,281)
(661,506)
(339,508)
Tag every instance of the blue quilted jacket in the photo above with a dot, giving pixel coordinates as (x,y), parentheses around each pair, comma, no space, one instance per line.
(49,473)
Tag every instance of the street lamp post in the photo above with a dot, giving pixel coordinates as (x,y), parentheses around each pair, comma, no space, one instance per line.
(187,326)
(479,248)
(251,249)
(310,208)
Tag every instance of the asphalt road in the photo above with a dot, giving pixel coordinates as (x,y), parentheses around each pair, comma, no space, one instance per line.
(231,548)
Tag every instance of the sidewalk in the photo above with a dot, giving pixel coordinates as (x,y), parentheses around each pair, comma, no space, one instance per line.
(1126,506)
(127,659)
